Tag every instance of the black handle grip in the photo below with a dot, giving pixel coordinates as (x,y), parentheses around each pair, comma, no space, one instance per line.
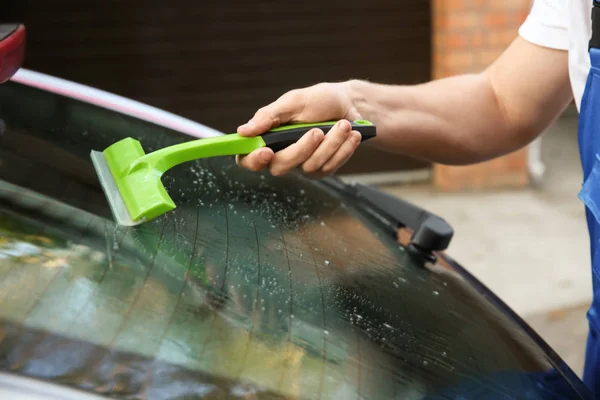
(282,137)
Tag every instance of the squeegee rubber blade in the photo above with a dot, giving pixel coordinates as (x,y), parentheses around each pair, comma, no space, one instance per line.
(111,191)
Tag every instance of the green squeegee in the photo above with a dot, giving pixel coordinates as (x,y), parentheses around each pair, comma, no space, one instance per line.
(131,179)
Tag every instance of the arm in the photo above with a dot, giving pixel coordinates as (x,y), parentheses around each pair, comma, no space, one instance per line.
(470,118)
(458,120)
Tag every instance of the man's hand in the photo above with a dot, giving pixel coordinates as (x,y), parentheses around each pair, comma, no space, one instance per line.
(315,153)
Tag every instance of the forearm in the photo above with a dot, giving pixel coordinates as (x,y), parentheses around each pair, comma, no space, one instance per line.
(454,120)
(467,118)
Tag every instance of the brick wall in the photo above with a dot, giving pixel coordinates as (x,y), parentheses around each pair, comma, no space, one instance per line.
(468,35)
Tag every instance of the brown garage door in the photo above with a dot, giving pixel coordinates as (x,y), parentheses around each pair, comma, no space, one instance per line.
(216,62)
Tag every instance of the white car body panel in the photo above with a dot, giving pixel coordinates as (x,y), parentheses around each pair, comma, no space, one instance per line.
(113,102)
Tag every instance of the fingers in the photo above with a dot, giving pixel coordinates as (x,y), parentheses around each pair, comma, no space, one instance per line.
(257,160)
(335,138)
(339,159)
(281,111)
(318,154)
(344,153)
(294,155)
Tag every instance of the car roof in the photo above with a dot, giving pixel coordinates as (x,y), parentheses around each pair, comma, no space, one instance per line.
(254,285)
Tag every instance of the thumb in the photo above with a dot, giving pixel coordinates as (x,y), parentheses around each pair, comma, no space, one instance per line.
(281,111)
(257,125)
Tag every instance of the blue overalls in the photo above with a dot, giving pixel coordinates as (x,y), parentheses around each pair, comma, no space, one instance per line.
(589,149)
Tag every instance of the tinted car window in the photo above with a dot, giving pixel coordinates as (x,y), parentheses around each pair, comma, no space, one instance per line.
(253,287)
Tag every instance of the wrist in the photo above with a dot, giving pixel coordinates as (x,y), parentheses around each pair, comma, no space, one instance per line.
(355,94)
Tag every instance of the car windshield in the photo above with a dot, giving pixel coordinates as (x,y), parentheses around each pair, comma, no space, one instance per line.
(253,287)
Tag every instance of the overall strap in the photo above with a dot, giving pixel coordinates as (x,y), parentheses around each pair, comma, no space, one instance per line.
(595,39)
(594,43)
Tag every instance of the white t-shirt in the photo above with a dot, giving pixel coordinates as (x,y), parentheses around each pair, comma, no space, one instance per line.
(564,25)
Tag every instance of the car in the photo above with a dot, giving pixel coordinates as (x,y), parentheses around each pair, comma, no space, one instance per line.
(254,287)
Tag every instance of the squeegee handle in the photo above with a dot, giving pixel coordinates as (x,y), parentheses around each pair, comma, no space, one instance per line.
(164,159)
(284,136)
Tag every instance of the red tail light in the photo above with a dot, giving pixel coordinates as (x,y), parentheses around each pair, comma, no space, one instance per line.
(12,50)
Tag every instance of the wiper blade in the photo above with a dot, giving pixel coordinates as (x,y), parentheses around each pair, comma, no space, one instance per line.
(430,232)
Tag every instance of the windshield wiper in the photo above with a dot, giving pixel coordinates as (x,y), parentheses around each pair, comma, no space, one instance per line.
(431,233)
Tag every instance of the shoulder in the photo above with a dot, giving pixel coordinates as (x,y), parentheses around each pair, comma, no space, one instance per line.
(547,23)
(562,25)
